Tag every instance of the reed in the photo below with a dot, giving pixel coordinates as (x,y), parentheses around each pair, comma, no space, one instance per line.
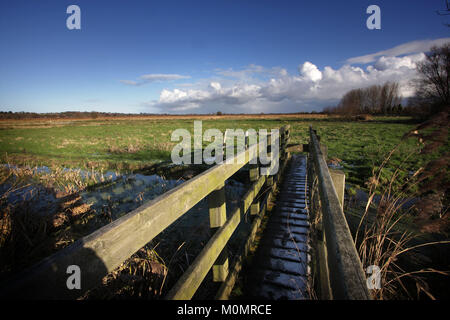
(382,239)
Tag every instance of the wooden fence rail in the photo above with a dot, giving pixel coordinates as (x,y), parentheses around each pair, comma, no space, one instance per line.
(340,268)
(107,248)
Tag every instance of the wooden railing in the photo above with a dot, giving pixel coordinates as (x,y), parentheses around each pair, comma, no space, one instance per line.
(339,270)
(107,248)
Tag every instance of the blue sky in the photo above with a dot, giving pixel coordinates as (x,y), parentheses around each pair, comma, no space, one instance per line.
(205,56)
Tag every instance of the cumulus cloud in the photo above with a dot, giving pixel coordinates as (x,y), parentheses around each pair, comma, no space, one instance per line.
(180,100)
(154,77)
(409,62)
(310,71)
(256,89)
(290,92)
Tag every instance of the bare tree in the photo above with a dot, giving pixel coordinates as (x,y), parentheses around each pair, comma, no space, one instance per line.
(433,86)
(372,98)
(390,96)
(375,99)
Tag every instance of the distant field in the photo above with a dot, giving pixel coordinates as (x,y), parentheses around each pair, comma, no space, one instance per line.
(134,143)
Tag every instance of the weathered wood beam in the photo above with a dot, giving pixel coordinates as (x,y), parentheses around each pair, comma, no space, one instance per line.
(347,277)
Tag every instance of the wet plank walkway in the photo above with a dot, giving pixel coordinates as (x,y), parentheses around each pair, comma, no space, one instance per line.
(280,269)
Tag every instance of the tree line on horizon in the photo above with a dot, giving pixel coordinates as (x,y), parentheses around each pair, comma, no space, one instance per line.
(375,100)
(5,115)
(432,91)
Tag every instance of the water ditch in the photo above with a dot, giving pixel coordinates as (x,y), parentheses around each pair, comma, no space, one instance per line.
(116,195)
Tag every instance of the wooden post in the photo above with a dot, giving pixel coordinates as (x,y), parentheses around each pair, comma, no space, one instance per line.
(220,267)
(254,168)
(217,207)
(254,172)
(268,153)
(217,218)
(254,208)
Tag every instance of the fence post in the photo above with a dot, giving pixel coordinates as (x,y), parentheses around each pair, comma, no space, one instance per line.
(254,208)
(269,153)
(217,218)
(254,167)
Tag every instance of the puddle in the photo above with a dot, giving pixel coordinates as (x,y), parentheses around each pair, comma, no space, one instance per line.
(119,195)
(340,165)
(126,193)
(177,245)
(361,197)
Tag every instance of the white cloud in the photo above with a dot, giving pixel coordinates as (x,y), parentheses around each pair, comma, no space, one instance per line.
(163,77)
(260,89)
(215,85)
(310,71)
(405,48)
(385,63)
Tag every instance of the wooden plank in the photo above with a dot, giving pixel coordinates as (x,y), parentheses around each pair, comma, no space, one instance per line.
(347,277)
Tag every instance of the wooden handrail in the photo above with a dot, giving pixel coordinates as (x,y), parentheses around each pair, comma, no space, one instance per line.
(346,274)
(107,248)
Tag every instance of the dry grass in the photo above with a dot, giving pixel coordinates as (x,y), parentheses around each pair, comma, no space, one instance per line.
(130,148)
(27,234)
(382,242)
(139,277)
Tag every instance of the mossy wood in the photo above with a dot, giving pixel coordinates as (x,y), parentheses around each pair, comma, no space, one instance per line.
(347,278)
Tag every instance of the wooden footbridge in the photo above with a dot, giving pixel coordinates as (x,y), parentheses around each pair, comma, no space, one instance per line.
(306,249)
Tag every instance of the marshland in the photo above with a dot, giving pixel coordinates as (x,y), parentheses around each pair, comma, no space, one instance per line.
(62,180)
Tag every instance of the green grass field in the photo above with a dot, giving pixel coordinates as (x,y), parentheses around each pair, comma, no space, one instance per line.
(136,143)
